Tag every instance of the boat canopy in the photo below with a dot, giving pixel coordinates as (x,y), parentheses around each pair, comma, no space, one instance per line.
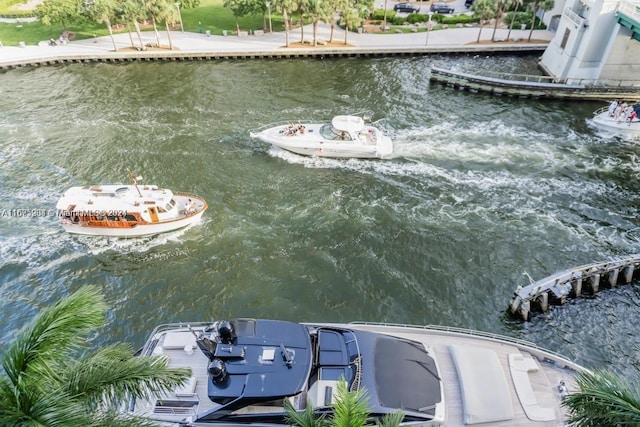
(268,359)
(351,124)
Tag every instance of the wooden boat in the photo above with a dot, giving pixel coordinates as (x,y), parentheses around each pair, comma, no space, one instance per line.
(346,136)
(127,210)
(244,369)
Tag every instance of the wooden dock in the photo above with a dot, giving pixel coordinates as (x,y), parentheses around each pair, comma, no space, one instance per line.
(556,288)
(528,86)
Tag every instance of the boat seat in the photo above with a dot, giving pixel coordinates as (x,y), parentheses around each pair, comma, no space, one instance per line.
(188,389)
(520,367)
(486,396)
(179,340)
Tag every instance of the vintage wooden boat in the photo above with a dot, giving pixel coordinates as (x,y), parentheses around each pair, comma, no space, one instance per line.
(244,369)
(127,210)
(346,136)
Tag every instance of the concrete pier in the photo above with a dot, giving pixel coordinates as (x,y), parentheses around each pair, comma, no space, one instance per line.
(555,289)
(503,84)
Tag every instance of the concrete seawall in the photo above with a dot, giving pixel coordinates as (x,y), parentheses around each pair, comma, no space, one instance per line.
(318,52)
(199,47)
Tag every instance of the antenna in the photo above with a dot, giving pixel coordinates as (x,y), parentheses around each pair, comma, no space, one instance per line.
(134,181)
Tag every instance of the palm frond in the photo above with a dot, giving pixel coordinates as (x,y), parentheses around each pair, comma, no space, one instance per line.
(55,334)
(305,418)
(393,419)
(603,398)
(31,407)
(351,409)
(114,374)
(114,418)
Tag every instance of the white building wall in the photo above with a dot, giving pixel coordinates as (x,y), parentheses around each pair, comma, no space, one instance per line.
(587,41)
(623,62)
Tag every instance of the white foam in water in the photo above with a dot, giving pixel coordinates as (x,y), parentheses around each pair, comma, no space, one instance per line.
(100,244)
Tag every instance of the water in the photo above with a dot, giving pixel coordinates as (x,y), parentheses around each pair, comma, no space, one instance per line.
(480,189)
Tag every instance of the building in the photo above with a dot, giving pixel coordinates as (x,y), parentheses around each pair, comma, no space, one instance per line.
(595,40)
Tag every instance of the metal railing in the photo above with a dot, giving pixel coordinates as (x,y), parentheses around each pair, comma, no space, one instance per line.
(536,79)
(471,333)
(630,8)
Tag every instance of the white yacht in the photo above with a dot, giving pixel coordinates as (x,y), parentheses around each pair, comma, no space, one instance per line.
(627,127)
(346,136)
(244,369)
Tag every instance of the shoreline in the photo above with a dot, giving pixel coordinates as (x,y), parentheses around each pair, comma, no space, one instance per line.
(198,47)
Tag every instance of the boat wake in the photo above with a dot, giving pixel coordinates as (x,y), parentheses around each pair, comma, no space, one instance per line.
(97,245)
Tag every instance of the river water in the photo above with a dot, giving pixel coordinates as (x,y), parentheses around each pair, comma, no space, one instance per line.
(480,189)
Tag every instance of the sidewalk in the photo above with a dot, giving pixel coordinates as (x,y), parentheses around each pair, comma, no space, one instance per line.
(452,39)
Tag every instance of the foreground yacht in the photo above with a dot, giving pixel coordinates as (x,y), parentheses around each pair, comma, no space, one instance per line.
(244,369)
(127,210)
(345,137)
(627,127)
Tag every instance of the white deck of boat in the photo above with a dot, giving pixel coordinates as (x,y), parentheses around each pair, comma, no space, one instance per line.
(542,381)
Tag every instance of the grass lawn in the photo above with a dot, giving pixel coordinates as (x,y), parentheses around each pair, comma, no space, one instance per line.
(210,15)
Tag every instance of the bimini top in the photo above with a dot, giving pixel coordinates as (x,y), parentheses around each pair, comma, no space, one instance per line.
(257,360)
(351,124)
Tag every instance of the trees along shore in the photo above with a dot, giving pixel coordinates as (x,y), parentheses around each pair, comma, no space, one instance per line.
(82,19)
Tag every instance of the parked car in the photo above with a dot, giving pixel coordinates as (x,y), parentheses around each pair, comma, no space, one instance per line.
(468,3)
(406,8)
(442,8)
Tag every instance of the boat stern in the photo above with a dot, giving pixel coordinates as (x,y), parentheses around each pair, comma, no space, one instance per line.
(384,148)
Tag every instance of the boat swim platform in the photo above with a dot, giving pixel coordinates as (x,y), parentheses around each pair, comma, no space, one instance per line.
(530,86)
(165,55)
(555,289)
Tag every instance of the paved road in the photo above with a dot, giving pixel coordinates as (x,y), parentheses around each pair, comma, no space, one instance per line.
(186,42)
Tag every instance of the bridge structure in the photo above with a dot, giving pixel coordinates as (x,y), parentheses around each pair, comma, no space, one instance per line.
(572,283)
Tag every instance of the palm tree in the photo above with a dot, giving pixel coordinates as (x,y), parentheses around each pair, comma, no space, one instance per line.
(484,9)
(100,10)
(603,399)
(513,17)
(537,5)
(498,18)
(351,409)
(48,378)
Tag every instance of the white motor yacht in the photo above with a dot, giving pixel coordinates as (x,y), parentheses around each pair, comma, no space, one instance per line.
(243,370)
(627,127)
(346,136)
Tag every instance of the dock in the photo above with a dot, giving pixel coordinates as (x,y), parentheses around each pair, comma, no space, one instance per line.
(557,288)
(84,57)
(532,86)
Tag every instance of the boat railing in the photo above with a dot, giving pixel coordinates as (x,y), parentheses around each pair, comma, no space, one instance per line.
(190,195)
(600,110)
(470,332)
(278,123)
(367,115)
(165,327)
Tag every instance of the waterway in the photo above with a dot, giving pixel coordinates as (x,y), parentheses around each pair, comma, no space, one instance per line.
(480,189)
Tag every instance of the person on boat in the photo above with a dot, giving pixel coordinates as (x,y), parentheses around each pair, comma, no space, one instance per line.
(612,107)
(291,130)
(627,112)
(189,207)
(617,114)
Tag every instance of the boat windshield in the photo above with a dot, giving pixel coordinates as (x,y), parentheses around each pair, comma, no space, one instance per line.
(329,132)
